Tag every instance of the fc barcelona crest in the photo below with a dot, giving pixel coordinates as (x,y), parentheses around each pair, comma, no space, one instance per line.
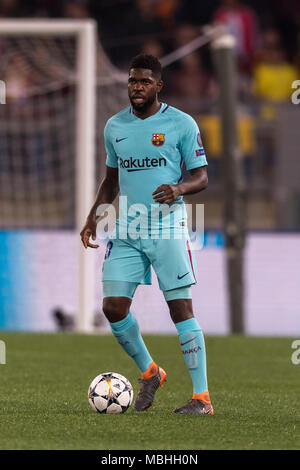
(158,139)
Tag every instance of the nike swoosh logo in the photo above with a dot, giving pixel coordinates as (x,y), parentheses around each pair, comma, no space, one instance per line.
(123,138)
(182,344)
(180,277)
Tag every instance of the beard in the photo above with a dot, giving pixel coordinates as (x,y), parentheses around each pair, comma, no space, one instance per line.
(143,107)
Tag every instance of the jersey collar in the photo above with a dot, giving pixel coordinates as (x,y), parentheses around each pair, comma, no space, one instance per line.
(162,109)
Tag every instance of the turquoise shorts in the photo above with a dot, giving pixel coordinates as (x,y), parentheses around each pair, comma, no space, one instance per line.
(130,260)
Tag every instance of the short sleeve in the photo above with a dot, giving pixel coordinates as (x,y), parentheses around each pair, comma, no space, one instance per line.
(191,147)
(112,158)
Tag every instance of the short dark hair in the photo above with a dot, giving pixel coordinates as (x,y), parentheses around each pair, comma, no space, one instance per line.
(147,61)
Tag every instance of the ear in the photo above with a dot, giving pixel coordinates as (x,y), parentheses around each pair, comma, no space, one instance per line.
(159,85)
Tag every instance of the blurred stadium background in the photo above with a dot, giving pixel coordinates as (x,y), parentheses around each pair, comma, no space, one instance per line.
(38,237)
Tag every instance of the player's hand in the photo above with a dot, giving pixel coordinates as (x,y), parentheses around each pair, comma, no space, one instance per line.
(89,230)
(166,193)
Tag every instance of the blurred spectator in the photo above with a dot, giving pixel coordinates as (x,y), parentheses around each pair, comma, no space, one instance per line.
(196,12)
(192,80)
(243,25)
(192,87)
(271,38)
(297,55)
(76,9)
(273,74)
(143,19)
(9,8)
(153,47)
(185,33)
(287,9)
(40,8)
(272,84)
(287,19)
(166,11)
(129,28)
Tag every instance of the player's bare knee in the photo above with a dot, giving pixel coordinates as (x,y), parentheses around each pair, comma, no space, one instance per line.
(115,308)
(180,309)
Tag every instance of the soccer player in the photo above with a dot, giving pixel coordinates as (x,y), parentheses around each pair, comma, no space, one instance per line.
(146,144)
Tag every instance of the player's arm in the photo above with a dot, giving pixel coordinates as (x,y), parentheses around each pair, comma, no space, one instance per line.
(167,193)
(193,155)
(106,194)
(197,182)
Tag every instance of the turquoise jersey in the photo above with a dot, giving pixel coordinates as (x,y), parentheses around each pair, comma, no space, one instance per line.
(148,153)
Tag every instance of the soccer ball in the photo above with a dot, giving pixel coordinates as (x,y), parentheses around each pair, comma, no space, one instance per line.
(110,393)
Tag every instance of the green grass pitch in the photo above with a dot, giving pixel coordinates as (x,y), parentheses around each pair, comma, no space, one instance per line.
(43,395)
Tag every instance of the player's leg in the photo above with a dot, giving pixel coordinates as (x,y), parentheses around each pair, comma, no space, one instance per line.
(124,326)
(124,261)
(175,266)
(193,348)
(126,330)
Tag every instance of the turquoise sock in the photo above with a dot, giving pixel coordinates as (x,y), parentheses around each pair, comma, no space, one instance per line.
(193,348)
(128,335)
